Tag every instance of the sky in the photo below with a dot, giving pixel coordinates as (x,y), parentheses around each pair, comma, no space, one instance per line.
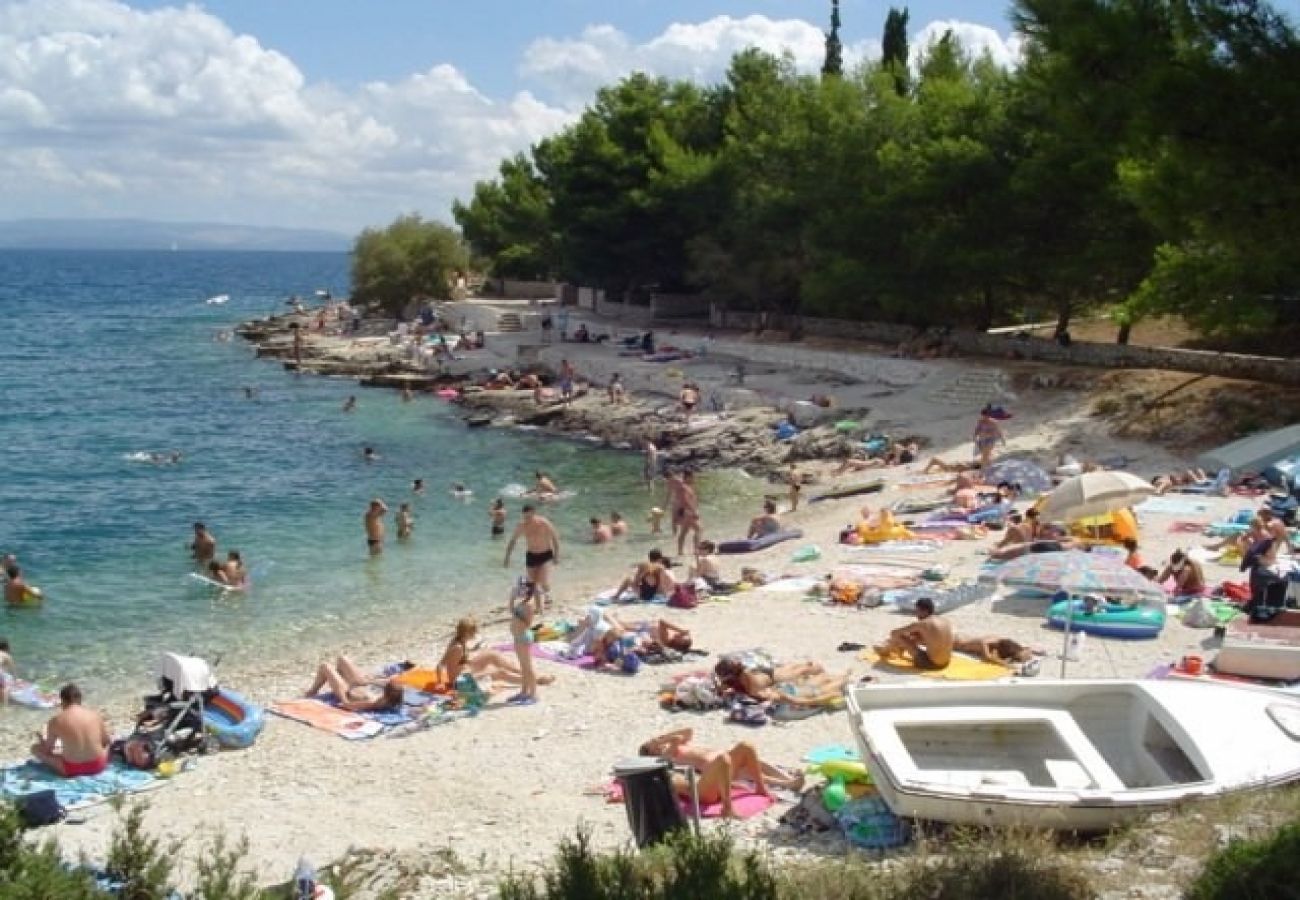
(343,114)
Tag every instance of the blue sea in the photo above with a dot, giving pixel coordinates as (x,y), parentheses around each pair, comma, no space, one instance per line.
(114,354)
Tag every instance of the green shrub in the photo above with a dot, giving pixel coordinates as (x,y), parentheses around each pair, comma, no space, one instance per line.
(219,876)
(36,872)
(1007,873)
(1264,869)
(141,863)
(685,867)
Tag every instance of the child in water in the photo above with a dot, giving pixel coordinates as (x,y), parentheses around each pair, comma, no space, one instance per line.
(405,522)
(497,514)
(655,518)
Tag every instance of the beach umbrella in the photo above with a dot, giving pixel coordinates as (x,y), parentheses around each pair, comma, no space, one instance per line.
(1078,572)
(1029,475)
(1093,494)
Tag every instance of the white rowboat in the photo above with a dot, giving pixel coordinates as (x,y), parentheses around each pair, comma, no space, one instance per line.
(1070,755)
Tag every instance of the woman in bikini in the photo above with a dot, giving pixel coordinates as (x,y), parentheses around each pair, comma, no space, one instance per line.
(799,684)
(355,689)
(718,769)
(651,579)
(525,603)
(458,658)
(987,435)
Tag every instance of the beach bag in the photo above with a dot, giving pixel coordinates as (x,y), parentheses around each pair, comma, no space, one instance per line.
(1235,591)
(1200,614)
(684,597)
(747,713)
(40,808)
(810,813)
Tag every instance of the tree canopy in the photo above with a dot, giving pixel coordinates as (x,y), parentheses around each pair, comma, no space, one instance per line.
(1141,157)
(411,258)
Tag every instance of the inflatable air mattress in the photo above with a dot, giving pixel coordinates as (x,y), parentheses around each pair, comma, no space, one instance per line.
(852,490)
(1108,619)
(750,545)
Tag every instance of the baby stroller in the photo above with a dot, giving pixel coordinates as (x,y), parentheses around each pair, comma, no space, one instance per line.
(172,722)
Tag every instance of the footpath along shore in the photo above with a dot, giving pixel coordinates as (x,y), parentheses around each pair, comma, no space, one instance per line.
(501,789)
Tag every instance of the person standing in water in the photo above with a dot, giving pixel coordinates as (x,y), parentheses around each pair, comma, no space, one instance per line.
(204,547)
(497,515)
(650,469)
(350,403)
(541,545)
(375,526)
(405,522)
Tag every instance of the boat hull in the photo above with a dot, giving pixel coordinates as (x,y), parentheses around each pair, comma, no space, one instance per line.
(1081,756)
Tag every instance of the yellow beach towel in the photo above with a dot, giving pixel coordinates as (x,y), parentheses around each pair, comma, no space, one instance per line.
(960,668)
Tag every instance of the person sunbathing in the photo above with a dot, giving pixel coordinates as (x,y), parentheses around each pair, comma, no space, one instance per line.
(458,658)
(1002,651)
(718,769)
(899,454)
(1189,577)
(647,637)
(928,641)
(1167,481)
(355,689)
(799,684)
(651,579)
(938,465)
(766,524)
(1042,545)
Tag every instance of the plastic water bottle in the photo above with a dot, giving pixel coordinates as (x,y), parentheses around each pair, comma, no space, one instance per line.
(1076,646)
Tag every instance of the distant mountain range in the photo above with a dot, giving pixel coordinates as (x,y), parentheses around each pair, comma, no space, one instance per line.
(144,234)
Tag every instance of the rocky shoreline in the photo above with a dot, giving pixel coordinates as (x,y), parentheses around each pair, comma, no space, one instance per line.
(742,439)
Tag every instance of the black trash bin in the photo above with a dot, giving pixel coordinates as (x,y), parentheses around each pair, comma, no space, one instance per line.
(653,810)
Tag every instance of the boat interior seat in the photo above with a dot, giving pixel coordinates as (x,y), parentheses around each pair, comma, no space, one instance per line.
(974,778)
(1067,773)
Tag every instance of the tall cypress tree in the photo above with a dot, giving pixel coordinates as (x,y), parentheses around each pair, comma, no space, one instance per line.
(834,64)
(894,48)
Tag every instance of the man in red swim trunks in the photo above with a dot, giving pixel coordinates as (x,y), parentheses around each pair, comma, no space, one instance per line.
(76,740)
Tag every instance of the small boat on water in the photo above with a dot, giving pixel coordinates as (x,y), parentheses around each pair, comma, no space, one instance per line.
(1070,755)
(218,300)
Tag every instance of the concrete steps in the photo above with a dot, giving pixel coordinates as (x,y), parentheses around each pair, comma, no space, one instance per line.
(974,388)
(509,322)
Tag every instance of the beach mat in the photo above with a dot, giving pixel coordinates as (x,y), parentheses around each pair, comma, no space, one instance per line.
(318,714)
(961,668)
(79,792)
(550,650)
(832,753)
(1173,506)
(24,693)
(1185,527)
(744,801)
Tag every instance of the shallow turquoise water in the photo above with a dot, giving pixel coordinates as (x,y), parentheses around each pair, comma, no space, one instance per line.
(113,354)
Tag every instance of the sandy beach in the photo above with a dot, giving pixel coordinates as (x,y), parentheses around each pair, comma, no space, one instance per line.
(498,790)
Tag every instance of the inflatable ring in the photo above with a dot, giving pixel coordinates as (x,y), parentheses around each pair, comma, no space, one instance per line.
(846,770)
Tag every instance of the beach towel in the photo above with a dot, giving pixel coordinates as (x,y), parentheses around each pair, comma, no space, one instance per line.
(24,693)
(897,547)
(744,802)
(1186,527)
(961,668)
(318,714)
(832,753)
(1173,506)
(554,652)
(75,793)
(796,585)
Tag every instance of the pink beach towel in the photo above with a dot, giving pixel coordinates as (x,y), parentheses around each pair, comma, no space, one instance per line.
(744,801)
(348,725)
(1186,527)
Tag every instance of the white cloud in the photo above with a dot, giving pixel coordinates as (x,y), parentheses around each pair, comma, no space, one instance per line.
(572,69)
(107,109)
(976,39)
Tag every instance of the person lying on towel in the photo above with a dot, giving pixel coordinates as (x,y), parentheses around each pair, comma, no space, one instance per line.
(799,684)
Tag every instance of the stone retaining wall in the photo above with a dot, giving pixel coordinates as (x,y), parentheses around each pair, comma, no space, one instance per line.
(1271,369)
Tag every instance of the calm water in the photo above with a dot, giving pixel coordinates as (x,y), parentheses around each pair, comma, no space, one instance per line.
(113,354)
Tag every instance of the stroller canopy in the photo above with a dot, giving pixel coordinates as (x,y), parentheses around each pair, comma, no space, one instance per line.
(186,673)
